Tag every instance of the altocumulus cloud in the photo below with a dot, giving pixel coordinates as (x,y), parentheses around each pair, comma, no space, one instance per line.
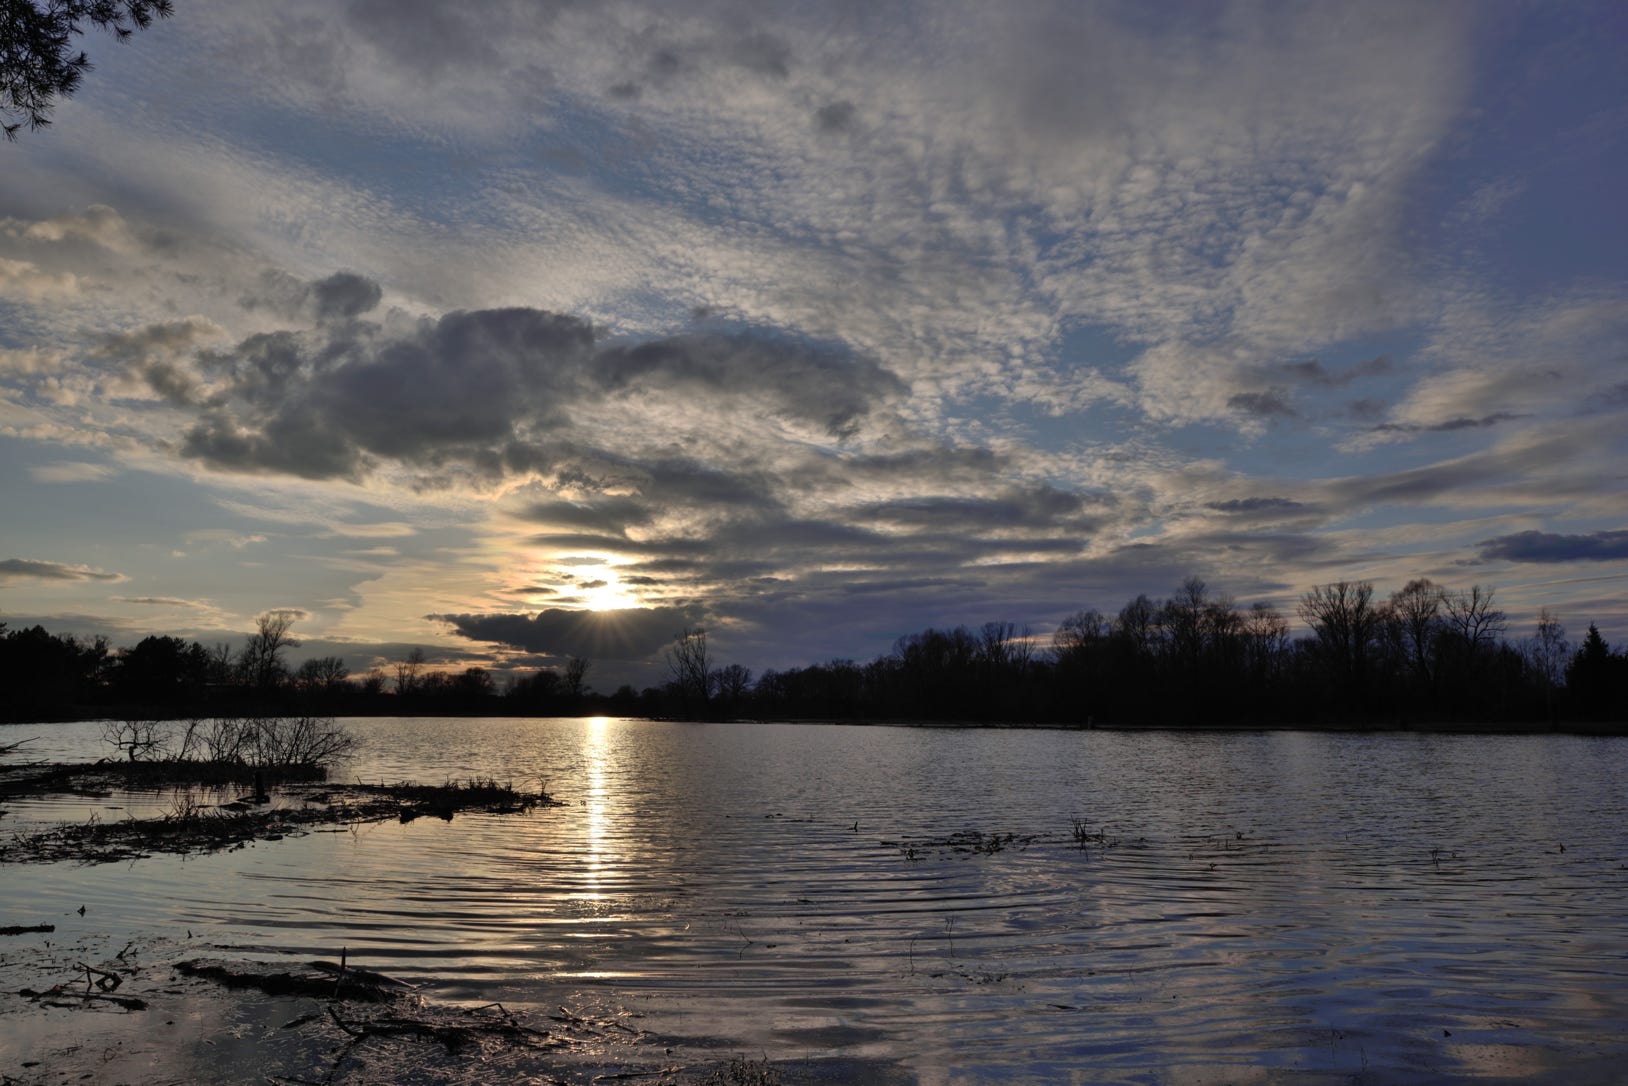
(633,634)
(1608,546)
(31,569)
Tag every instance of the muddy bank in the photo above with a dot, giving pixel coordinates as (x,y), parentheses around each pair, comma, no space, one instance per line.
(160,1011)
(207,814)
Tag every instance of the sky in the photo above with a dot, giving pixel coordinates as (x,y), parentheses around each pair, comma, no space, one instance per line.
(519,330)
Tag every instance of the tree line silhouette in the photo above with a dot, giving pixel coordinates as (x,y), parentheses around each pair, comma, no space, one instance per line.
(1423,654)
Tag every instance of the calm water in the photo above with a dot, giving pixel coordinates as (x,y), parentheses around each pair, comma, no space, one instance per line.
(1272,905)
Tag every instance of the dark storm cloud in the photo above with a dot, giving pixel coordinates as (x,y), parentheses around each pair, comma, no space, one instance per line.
(162,339)
(685,482)
(473,389)
(324,408)
(608,515)
(617,544)
(344,295)
(834,117)
(32,569)
(1037,508)
(825,385)
(1606,546)
(285,444)
(152,355)
(599,635)
(1269,404)
(341,296)
(1446,426)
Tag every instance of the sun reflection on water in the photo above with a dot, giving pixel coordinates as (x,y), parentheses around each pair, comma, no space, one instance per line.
(595,748)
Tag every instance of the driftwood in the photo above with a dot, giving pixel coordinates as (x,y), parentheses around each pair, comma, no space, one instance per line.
(324,980)
(100,985)
(28,929)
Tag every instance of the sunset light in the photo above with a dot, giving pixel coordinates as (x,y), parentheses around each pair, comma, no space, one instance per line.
(760,543)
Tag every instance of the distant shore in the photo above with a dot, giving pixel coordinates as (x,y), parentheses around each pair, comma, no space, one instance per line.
(1425,726)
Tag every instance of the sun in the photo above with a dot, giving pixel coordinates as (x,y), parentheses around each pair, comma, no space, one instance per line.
(611,595)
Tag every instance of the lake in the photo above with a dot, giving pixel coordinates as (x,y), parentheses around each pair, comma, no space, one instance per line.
(959,904)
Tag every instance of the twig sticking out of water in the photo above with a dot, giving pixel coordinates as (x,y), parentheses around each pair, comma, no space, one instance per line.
(107,982)
(339,977)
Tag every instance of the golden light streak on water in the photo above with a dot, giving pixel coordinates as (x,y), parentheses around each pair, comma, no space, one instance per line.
(595,750)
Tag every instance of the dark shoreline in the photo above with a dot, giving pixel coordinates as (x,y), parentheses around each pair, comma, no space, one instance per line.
(1428,727)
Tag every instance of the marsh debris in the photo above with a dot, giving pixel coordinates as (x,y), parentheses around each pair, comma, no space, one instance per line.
(319,980)
(194,825)
(963,843)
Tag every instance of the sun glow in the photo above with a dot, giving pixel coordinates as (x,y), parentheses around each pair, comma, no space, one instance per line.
(610,595)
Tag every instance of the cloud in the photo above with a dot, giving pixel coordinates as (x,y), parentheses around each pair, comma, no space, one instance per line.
(489,392)
(1545,547)
(27,280)
(31,569)
(166,601)
(389,529)
(1446,426)
(1252,506)
(609,515)
(633,634)
(345,295)
(1269,404)
(341,296)
(98,225)
(827,385)
(835,117)
(234,539)
(1314,372)
(72,471)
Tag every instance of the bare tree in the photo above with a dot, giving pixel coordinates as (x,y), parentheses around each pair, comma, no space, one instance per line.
(1078,634)
(407,671)
(1020,651)
(1344,618)
(136,739)
(732,683)
(1182,618)
(1473,617)
(1417,608)
(576,676)
(1137,623)
(1002,647)
(222,663)
(1266,638)
(993,642)
(690,668)
(261,661)
(322,673)
(1546,653)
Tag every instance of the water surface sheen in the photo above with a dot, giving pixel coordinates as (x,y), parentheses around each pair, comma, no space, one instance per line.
(1319,905)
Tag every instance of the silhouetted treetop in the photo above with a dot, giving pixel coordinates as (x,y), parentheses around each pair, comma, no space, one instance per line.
(37,62)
